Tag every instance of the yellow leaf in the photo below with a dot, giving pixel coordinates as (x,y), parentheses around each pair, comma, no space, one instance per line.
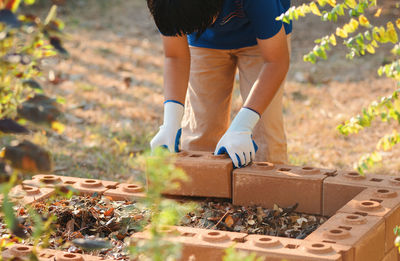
(391,33)
(314,9)
(378,13)
(354,24)
(342,33)
(398,23)
(370,49)
(58,127)
(364,21)
(351,3)
(332,39)
(332,2)
(374,44)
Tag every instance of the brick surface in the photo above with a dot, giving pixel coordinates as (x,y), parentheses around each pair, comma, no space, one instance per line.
(365,234)
(84,186)
(380,202)
(265,184)
(125,191)
(200,244)
(22,252)
(392,255)
(277,249)
(341,188)
(209,175)
(22,194)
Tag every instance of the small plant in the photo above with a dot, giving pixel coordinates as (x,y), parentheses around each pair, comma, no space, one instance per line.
(161,175)
(25,40)
(361,37)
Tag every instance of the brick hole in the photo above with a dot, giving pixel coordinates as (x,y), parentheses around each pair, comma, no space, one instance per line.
(336,231)
(49,177)
(328,241)
(307,168)
(318,245)
(376,180)
(377,200)
(356,174)
(352,217)
(383,191)
(69,182)
(361,213)
(367,203)
(213,234)
(28,188)
(22,248)
(112,186)
(187,234)
(195,156)
(396,179)
(69,255)
(264,164)
(291,246)
(265,239)
(90,181)
(285,169)
(347,228)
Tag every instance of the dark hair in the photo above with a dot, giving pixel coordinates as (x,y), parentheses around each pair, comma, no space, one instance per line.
(181,17)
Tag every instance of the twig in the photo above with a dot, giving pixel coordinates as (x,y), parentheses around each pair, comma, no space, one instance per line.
(220,220)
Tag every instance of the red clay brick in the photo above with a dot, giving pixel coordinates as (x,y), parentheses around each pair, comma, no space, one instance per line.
(277,249)
(55,180)
(202,244)
(379,202)
(22,194)
(125,191)
(209,175)
(264,184)
(365,234)
(340,189)
(18,251)
(90,186)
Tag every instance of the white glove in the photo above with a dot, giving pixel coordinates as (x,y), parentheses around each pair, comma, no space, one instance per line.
(237,141)
(169,135)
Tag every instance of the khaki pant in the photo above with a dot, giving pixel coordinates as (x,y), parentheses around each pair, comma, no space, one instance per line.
(208,102)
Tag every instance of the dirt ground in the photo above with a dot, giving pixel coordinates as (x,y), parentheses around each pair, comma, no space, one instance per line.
(112,85)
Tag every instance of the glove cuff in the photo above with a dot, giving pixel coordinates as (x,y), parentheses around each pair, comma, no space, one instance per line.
(245,120)
(173,113)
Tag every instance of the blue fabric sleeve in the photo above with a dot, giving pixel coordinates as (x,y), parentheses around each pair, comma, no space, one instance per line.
(262,15)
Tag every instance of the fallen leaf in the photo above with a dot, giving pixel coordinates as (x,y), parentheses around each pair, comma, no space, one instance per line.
(229,221)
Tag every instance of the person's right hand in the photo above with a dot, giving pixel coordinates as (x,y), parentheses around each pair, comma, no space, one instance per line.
(169,135)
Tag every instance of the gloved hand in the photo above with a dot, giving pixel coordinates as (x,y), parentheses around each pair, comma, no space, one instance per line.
(169,135)
(237,141)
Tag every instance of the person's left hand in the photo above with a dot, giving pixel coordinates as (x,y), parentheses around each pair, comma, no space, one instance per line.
(237,141)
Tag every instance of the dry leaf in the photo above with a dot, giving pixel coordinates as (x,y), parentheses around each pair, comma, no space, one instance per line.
(229,221)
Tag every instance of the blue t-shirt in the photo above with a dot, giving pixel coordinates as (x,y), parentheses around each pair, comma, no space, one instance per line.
(241,22)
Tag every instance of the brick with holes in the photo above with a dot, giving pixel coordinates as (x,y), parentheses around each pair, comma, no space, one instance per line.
(22,252)
(22,194)
(365,234)
(208,175)
(265,184)
(341,188)
(198,244)
(126,191)
(379,202)
(278,248)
